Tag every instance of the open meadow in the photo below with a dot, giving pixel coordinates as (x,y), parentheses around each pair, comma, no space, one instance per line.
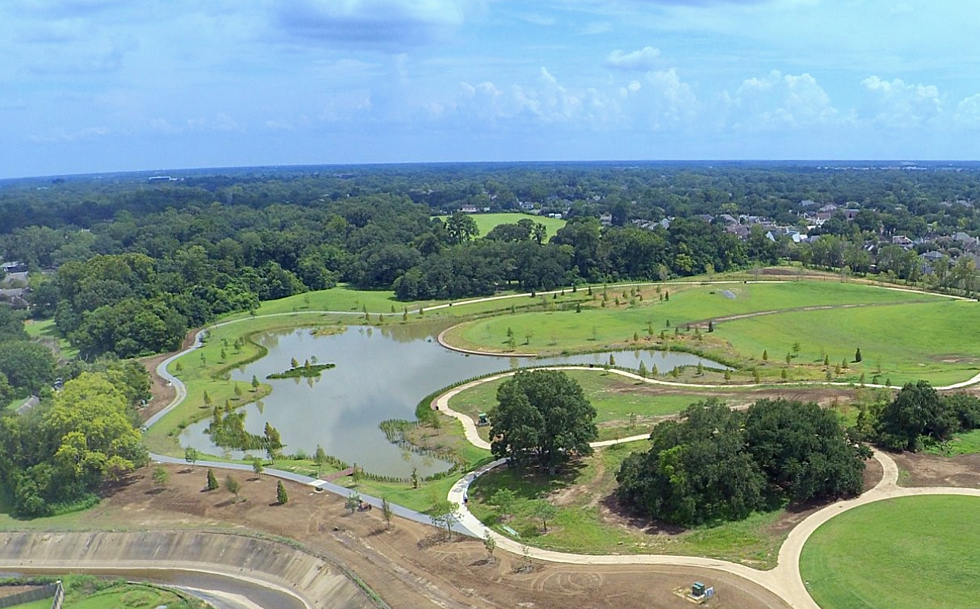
(907,553)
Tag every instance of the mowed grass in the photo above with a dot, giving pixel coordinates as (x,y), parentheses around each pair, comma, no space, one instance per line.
(909,341)
(906,553)
(584,525)
(614,398)
(907,336)
(47,330)
(567,330)
(487,222)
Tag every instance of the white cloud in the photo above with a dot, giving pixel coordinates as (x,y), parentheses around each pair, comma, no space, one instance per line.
(643,60)
(780,100)
(968,112)
(898,104)
(220,122)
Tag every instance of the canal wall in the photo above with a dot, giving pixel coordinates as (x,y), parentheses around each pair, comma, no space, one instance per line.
(313,580)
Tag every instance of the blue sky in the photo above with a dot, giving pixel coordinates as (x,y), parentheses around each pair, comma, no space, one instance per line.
(108,85)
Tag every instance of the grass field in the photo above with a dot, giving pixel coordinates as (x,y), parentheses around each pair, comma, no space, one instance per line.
(909,342)
(486,222)
(936,350)
(907,553)
(613,396)
(45,329)
(583,524)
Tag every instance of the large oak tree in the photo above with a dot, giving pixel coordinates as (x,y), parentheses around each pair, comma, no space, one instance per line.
(542,417)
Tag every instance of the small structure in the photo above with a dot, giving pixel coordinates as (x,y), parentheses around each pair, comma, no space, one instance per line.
(701,592)
(483,420)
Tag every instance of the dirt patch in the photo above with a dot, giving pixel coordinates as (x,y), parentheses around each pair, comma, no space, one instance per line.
(932,470)
(449,575)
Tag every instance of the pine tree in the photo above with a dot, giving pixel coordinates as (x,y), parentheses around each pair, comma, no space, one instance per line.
(700,369)
(783,374)
(654,371)
(728,374)
(281,497)
(765,355)
(857,355)
(826,360)
(711,326)
(643,369)
(255,383)
(212,481)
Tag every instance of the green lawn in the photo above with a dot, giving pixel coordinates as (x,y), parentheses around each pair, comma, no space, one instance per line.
(907,553)
(614,398)
(581,526)
(937,351)
(486,222)
(963,443)
(909,342)
(45,329)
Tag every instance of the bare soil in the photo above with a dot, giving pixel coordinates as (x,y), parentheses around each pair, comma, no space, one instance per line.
(933,470)
(408,566)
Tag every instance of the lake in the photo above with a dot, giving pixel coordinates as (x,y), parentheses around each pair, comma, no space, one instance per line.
(381,373)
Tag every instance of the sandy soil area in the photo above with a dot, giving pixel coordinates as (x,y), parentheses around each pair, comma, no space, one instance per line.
(408,565)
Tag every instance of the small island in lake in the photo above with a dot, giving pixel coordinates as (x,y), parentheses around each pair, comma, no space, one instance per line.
(305,371)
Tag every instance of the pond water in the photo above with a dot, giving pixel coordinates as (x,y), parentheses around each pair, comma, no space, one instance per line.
(380,374)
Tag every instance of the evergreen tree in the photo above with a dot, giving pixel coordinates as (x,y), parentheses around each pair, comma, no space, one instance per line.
(212,481)
(281,497)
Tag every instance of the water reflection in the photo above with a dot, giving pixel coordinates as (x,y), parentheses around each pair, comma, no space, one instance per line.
(381,373)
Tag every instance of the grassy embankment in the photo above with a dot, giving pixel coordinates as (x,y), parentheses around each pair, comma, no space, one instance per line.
(89,592)
(585,523)
(937,351)
(906,553)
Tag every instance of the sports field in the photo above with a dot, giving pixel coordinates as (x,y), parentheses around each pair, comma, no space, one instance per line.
(907,553)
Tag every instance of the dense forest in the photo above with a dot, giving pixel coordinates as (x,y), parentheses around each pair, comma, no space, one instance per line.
(129,263)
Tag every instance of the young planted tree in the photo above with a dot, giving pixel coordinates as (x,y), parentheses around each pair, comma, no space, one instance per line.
(255,383)
(233,486)
(386,512)
(281,497)
(544,511)
(257,466)
(353,502)
(212,481)
(857,355)
(161,476)
(190,455)
(444,515)
(489,544)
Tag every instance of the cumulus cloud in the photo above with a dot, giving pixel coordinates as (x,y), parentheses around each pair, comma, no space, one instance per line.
(968,112)
(780,100)
(657,101)
(385,24)
(896,103)
(643,60)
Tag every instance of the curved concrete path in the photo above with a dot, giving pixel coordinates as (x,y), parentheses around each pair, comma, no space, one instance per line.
(784,580)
